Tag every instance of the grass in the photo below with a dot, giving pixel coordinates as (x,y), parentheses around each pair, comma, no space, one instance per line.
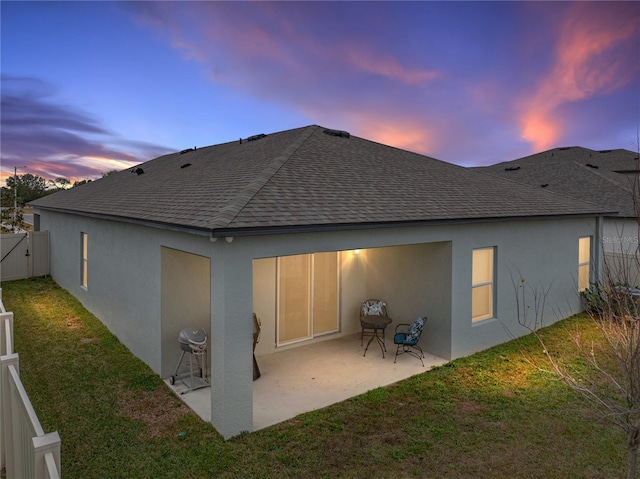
(490,415)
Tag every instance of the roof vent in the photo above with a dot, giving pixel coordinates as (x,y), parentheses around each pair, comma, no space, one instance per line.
(253,138)
(138,171)
(544,185)
(512,168)
(592,166)
(604,151)
(564,148)
(187,150)
(185,165)
(340,133)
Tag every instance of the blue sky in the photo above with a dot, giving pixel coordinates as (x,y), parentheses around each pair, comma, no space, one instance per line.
(88,87)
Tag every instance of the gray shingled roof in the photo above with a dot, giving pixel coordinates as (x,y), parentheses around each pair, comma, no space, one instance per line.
(305,179)
(603,177)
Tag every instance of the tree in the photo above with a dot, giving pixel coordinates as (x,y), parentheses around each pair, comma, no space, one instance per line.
(610,380)
(59,184)
(80,183)
(20,190)
(30,187)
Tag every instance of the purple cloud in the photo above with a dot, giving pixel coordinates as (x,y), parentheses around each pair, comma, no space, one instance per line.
(57,140)
(301,55)
(468,82)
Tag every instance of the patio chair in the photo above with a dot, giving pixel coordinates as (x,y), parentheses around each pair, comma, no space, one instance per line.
(407,337)
(372,307)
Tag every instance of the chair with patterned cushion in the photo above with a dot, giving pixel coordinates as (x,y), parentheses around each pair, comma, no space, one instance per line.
(374,319)
(407,337)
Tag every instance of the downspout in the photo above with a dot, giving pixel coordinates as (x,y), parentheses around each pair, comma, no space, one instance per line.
(598,250)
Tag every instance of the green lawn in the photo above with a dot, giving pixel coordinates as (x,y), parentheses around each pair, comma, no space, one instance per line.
(491,415)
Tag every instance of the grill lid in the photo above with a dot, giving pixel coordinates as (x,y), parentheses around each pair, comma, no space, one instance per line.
(193,335)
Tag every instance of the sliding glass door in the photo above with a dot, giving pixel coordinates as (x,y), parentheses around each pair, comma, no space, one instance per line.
(308,293)
(294,298)
(325,293)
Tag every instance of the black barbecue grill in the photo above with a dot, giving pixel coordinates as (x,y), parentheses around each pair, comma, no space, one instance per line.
(193,342)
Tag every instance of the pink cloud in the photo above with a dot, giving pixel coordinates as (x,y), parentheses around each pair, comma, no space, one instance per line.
(238,40)
(408,133)
(272,50)
(386,66)
(593,57)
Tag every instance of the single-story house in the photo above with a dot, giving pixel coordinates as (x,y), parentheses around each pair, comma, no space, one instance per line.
(606,177)
(272,224)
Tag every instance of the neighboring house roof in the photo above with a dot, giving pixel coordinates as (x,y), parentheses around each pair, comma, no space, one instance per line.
(304,179)
(605,177)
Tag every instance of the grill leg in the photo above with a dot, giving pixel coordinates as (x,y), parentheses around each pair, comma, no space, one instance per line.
(179,363)
(191,370)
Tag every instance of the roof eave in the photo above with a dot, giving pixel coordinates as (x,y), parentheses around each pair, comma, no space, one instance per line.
(317,228)
(201,231)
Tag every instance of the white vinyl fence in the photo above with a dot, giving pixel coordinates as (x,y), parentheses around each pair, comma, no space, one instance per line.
(26,452)
(24,255)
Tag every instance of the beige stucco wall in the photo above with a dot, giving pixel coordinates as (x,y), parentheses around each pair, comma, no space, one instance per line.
(413,280)
(185,301)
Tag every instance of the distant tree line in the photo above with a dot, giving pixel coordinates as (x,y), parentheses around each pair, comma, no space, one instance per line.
(29,187)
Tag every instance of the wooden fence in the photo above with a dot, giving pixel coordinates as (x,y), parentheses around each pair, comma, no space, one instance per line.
(24,255)
(26,452)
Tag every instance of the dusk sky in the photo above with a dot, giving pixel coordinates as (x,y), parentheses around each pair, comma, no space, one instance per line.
(89,87)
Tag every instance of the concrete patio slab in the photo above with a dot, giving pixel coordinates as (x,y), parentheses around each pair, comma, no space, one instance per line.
(312,377)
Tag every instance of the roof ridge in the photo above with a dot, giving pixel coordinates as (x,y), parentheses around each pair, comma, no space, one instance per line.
(230,211)
(538,154)
(528,185)
(603,177)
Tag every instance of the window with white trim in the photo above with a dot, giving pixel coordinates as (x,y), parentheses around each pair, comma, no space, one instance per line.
(482,284)
(584,262)
(84,263)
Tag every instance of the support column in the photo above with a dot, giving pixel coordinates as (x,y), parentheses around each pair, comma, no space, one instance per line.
(598,252)
(231,339)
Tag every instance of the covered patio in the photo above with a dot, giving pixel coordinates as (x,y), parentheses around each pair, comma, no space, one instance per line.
(312,377)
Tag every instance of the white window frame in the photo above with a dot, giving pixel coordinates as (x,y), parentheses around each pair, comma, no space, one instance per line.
(491,283)
(586,263)
(84,260)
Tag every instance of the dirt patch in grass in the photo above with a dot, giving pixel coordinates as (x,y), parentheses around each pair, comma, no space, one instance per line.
(73,322)
(467,407)
(465,377)
(159,412)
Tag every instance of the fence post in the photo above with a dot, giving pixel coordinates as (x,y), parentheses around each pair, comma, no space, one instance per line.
(6,416)
(29,254)
(43,445)
(6,333)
